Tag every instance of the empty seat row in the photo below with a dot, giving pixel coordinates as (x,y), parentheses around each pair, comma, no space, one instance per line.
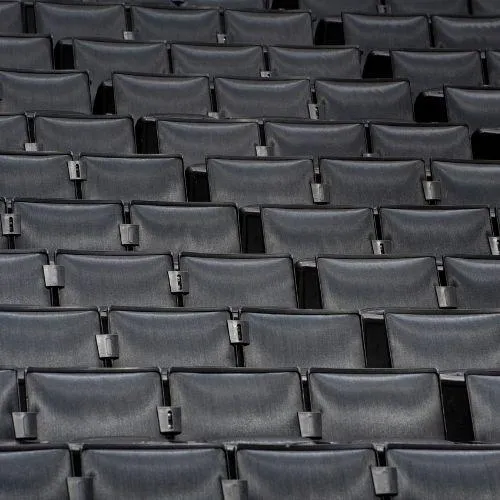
(57,337)
(246,405)
(263,472)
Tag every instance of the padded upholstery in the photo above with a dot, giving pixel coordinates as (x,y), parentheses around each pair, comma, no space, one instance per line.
(351,283)
(485,8)
(25,52)
(493,64)
(127,279)
(233,280)
(13,132)
(333,8)
(466,32)
(238,404)
(9,402)
(377,404)
(281,338)
(76,404)
(167,338)
(446,7)
(11,18)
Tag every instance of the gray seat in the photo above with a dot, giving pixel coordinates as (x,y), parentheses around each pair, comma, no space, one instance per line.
(217,60)
(49,337)
(467,33)
(314,63)
(432,69)
(377,405)
(467,182)
(260,180)
(142,95)
(483,389)
(239,98)
(421,141)
(195,139)
(106,278)
(74,404)
(485,8)
(428,7)
(281,338)
(35,174)
(493,65)
(175,25)
(307,232)
(74,225)
(268,27)
(172,337)
(13,132)
(91,134)
(11,17)
(364,100)
(244,404)
(239,280)
(29,52)
(22,278)
(314,138)
(373,182)
(475,281)
(80,21)
(226,4)
(9,402)
(455,341)
(144,177)
(47,466)
(102,58)
(146,471)
(436,231)
(303,471)
(352,283)
(446,472)
(334,8)
(55,91)
(186,227)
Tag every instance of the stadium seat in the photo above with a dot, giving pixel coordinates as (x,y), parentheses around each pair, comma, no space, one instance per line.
(79,21)
(371,182)
(453,341)
(485,8)
(268,28)
(142,95)
(217,60)
(22,278)
(281,338)
(125,279)
(475,281)
(85,134)
(493,65)
(69,224)
(186,227)
(35,174)
(314,63)
(66,91)
(239,98)
(52,337)
(432,69)
(151,471)
(420,141)
(445,472)
(260,180)
(436,231)
(11,18)
(364,100)
(244,404)
(427,7)
(175,25)
(226,4)
(377,405)
(238,280)
(72,404)
(9,402)
(353,283)
(466,33)
(334,8)
(172,337)
(102,58)
(144,177)
(466,182)
(314,138)
(298,472)
(28,52)
(13,132)
(306,232)
(47,466)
